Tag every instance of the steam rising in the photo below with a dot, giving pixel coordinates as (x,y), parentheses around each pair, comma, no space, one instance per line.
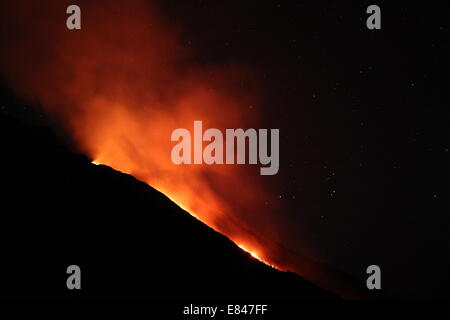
(121,85)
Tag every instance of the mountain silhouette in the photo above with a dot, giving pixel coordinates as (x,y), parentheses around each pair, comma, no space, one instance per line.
(129,240)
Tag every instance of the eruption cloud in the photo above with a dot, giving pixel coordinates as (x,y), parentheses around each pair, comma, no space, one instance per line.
(121,85)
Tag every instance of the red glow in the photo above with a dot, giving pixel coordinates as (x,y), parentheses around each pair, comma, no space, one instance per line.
(122,84)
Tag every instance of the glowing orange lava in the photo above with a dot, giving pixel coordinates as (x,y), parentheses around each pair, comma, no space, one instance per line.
(122,84)
(183,206)
(119,98)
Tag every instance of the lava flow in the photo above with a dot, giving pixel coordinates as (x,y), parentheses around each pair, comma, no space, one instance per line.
(119,87)
(252,253)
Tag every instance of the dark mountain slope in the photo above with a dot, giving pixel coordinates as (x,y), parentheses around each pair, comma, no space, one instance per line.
(59,209)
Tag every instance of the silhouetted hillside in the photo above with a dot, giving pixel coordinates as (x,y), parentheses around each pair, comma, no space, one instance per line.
(130,240)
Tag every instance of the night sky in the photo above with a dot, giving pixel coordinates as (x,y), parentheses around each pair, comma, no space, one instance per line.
(364,124)
(364,120)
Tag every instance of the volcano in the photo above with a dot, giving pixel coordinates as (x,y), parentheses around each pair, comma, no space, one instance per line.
(129,240)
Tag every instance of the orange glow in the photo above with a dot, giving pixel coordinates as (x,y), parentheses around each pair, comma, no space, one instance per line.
(256,256)
(122,84)
(120,97)
(252,253)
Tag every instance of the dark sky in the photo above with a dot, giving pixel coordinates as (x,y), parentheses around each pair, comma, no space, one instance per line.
(364,124)
(364,121)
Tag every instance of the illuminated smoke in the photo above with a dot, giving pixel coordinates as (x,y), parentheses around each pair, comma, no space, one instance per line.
(121,85)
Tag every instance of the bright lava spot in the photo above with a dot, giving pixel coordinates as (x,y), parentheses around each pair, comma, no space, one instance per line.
(252,253)
(256,256)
